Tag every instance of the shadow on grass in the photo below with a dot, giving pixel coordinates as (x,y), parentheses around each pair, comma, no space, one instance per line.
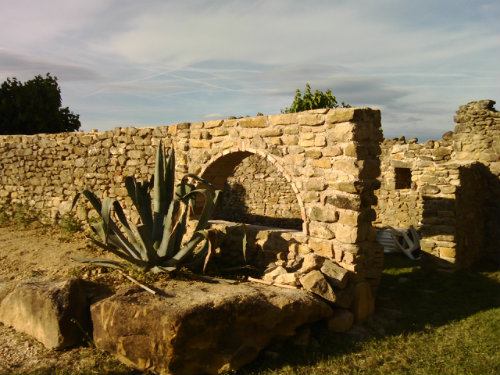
(411,299)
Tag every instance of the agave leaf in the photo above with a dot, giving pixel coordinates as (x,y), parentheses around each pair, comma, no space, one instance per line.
(187,249)
(96,203)
(101,262)
(170,223)
(200,179)
(147,251)
(140,195)
(208,207)
(136,249)
(113,248)
(105,213)
(98,229)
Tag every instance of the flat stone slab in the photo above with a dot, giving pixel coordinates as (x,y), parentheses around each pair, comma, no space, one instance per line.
(200,328)
(55,312)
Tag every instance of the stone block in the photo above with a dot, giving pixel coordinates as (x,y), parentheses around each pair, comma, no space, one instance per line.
(315,282)
(320,230)
(200,328)
(200,143)
(346,233)
(336,275)
(213,124)
(315,184)
(341,132)
(322,163)
(311,119)
(253,122)
(447,252)
(311,261)
(47,311)
(324,213)
(321,248)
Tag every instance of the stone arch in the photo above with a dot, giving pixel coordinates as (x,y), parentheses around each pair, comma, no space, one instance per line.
(221,167)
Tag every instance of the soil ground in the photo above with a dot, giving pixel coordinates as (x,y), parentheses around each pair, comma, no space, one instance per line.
(40,251)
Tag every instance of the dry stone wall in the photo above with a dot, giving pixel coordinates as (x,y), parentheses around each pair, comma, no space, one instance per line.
(452,195)
(328,157)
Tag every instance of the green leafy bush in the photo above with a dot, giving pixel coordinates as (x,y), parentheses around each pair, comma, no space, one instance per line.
(310,101)
(158,243)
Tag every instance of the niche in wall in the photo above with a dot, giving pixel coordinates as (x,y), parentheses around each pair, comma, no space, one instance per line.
(403,178)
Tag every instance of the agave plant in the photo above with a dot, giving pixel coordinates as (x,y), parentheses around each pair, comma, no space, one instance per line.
(158,243)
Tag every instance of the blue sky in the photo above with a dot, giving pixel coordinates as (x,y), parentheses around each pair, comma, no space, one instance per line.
(154,62)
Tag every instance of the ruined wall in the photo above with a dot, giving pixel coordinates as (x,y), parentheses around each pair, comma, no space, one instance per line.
(329,158)
(453,194)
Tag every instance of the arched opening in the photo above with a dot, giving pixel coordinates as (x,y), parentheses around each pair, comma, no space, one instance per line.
(254,191)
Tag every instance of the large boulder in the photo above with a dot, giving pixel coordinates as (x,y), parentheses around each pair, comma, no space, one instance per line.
(55,313)
(200,328)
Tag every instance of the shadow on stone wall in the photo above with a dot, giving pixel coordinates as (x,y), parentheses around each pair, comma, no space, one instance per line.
(232,207)
(458,232)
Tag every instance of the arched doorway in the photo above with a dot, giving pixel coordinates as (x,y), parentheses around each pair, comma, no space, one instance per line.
(254,191)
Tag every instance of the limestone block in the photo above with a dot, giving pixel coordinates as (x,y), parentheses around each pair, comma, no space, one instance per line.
(446,252)
(213,124)
(289,278)
(254,122)
(285,119)
(316,283)
(335,274)
(271,132)
(47,310)
(346,233)
(341,321)
(200,328)
(341,132)
(324,213)
(274,273)
(313,154)
(321,247)
(290,140)
(311,262)
(322,163)
(332,151)
(320,230)
(200,143)
(311,119)
(315,184)
(340,115)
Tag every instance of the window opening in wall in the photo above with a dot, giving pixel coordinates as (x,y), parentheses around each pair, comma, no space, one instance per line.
(403,178)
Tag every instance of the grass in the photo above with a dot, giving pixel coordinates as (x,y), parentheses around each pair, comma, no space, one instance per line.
(426,323)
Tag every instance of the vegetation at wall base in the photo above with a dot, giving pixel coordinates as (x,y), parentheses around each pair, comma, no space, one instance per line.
(34,107)
(313,101)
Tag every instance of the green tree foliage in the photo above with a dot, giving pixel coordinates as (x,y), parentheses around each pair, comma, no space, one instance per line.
(310,101)
(34,107)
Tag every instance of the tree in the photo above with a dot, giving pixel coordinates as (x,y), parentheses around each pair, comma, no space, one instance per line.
(34,107)
(310,101)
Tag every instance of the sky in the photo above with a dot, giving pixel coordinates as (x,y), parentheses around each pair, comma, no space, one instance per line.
(161,62)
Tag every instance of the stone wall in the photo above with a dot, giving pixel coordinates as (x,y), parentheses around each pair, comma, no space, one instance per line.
(257,193)
(453,193)
(328,158)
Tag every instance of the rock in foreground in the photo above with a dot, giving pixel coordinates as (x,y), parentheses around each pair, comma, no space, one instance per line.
(53,312)
(200,328)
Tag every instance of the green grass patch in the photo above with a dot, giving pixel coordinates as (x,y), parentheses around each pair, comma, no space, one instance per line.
(426,322)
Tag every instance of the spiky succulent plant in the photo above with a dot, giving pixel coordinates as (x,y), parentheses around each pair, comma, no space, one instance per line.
(158,243)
